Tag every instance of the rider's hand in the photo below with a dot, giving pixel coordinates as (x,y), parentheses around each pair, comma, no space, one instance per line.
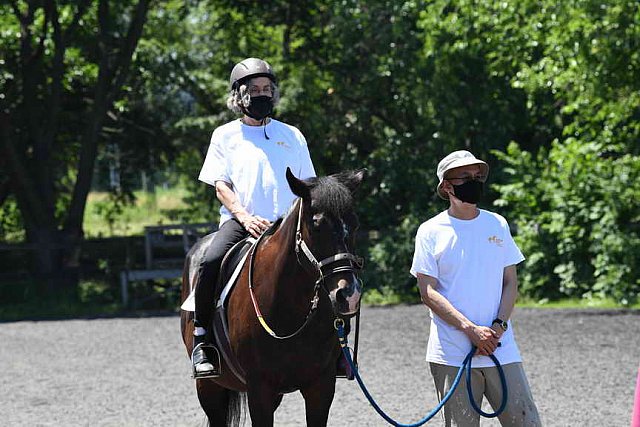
(485,339)
(255,225)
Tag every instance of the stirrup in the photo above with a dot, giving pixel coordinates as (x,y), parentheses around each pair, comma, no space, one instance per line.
(212,356)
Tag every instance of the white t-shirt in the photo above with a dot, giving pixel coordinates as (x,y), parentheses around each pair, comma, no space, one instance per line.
(468,258)
(256,167)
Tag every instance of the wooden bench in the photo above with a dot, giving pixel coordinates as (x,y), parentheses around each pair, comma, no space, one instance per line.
(164,249)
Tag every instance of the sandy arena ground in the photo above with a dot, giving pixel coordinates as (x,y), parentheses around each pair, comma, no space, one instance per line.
(582,366)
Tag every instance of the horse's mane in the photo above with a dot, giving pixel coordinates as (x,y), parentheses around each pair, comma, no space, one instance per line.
(330,195)
(274,227)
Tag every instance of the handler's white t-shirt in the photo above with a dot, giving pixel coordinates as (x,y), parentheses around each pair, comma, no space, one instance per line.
(256,167)
(468,258)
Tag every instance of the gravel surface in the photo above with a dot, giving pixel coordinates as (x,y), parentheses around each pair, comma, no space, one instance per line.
(582,366)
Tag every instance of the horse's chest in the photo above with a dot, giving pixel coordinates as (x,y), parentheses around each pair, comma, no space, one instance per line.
(289,365)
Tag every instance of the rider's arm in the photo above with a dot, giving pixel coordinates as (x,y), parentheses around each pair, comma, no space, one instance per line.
(253,224)
(482,337)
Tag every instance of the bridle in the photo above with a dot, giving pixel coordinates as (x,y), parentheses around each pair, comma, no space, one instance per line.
(355,263)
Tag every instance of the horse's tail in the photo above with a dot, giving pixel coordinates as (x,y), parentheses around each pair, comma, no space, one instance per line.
(236,411)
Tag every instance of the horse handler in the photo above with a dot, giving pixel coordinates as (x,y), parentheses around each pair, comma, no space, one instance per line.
(465,262)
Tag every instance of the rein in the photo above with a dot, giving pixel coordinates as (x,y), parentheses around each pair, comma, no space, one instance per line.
(466,365)
(355,263)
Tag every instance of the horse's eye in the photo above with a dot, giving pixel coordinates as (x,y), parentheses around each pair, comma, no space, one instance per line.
(317,219)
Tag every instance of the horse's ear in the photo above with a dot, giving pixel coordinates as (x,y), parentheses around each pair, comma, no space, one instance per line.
(352,179)
(298,187)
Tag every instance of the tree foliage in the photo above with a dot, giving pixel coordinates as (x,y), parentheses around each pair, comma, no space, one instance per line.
(64,68)
(391,86)
(577,213)
(575,203)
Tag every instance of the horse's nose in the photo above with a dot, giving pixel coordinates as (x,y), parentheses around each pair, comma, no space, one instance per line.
(349,292)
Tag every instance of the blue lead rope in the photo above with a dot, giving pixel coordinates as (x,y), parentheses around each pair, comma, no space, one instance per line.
(465,365)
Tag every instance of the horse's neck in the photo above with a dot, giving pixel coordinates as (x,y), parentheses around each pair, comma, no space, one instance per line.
(285,238)
(285,235)
(285,264)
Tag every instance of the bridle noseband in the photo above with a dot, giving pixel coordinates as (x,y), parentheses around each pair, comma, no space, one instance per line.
(355,263)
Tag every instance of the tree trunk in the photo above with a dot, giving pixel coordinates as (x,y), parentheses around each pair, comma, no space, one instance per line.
(50,252)
(27,147)
(109,85)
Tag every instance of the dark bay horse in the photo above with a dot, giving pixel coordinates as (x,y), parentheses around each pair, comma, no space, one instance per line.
(310,257)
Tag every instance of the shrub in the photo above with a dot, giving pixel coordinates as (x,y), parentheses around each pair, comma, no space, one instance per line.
(576,210)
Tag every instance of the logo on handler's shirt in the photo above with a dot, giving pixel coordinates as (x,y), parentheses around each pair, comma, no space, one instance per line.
(496,240)
(283,144)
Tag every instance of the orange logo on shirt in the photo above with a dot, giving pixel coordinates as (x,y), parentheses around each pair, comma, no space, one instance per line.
(496,240)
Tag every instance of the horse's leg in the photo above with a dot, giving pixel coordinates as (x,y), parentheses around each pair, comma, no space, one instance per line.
(317,400)
(214,400)
(263,401)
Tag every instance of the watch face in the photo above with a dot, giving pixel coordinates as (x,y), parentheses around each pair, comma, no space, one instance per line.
(504,325)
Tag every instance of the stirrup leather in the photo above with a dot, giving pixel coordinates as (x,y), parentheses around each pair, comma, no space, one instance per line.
(206,353)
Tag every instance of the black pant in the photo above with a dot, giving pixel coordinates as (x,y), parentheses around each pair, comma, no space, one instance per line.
(230,233)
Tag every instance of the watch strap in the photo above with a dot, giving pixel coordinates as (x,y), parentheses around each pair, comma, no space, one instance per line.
(500,322)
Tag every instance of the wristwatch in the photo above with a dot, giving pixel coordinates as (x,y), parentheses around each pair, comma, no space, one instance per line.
(504,325)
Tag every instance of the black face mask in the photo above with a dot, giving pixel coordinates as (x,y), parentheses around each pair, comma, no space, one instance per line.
(469,192)
(260,107)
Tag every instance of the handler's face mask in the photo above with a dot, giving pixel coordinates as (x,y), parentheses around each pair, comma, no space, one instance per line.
(260,107)
(469,192)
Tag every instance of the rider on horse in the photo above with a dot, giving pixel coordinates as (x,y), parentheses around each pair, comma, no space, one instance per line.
(246,164)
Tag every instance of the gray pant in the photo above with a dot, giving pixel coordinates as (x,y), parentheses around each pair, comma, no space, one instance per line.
(520,409)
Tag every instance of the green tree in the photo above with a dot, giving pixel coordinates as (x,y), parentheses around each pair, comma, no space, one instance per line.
(65,65)
(576,203)
(576,208)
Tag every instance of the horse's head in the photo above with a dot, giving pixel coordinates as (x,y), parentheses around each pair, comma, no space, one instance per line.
(326,233)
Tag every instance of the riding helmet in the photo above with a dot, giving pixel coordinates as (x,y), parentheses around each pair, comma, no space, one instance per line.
(249,68)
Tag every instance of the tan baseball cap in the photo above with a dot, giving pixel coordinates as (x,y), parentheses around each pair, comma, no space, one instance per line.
(455,160)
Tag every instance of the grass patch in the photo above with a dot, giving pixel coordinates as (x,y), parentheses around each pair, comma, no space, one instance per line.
(595,303)
(104,218)
(387,296)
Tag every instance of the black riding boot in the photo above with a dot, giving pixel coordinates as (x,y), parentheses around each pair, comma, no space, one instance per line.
(203,365)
